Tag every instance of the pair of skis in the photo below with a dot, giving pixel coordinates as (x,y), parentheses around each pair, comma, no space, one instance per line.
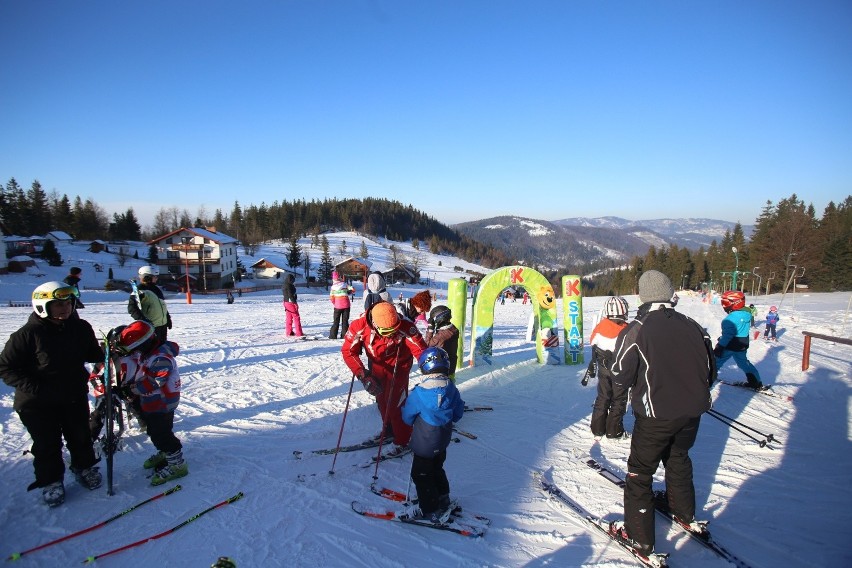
(459,522)
(661,505)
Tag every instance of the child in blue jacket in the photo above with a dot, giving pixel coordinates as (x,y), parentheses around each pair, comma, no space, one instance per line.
(735,337)
(771,321)
(431,409)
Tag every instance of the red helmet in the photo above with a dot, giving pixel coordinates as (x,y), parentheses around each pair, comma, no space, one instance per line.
(135,336)
(733,300)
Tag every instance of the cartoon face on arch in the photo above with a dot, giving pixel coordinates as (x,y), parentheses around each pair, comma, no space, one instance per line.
(546,297)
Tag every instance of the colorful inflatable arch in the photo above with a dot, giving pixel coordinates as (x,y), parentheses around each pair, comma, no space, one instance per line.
(544,309)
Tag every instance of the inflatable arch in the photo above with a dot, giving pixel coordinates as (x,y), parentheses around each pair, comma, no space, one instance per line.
(544,310)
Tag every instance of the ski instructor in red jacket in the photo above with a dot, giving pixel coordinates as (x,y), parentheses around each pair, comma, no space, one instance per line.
(391,345)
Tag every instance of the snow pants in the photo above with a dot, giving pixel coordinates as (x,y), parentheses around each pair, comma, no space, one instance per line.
(160,426)
(293,321)
(341,322)
(390,402)
(654,441)
(609,408)
(430,480)
(741,359)
(770,328)
(47,425)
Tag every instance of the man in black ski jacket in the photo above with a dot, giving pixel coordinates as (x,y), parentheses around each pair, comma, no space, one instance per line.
(667,360)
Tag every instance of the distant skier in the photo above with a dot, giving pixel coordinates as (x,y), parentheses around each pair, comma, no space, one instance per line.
(772,319)
(339,297)
(293,321)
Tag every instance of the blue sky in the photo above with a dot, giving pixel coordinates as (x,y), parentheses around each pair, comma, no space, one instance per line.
(463,109)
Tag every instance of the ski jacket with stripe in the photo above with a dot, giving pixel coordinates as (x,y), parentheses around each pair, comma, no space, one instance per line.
(667,359)
(154,377)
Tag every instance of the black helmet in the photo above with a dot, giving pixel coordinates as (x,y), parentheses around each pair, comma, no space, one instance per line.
(440,315)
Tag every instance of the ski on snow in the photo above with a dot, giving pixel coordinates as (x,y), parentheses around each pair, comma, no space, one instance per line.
(655,560)
(766,390)
(477,408)
(451,526)
(331,451)
(457,512)
(18,555)
(661,506)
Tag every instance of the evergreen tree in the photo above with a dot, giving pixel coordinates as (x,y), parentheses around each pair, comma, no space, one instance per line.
(294,252)
(51,254)
(365,253)
(325,266)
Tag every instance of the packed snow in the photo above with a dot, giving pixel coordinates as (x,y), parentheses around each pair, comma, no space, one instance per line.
(252,397)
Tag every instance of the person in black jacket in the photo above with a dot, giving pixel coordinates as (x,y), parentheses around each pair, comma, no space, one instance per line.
(44,362)
(73,279)
(667,360)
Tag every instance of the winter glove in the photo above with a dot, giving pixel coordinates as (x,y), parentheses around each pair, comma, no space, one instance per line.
(371,384)
(169,321)
(718,350)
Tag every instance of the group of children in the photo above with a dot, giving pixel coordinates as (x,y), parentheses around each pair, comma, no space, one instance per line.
(45,362)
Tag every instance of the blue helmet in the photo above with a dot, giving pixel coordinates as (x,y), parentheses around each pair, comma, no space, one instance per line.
(434,360)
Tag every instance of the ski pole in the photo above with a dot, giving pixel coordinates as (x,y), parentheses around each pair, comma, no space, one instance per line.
(762,443)
(236,497)
(387,412)
(17,555)
(340,435)
(769,437)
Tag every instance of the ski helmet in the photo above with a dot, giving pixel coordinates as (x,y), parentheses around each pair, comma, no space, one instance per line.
(434,360)
(773,309)
(616,307)
(440,315)
(49,292)
(135,336)
(733,300)
(148,271)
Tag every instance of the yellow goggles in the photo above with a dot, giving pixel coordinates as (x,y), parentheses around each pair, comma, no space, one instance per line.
(64,293)
(387,331)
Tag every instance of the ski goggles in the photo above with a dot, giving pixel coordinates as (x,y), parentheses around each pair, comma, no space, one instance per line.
(387,331)
(63,294)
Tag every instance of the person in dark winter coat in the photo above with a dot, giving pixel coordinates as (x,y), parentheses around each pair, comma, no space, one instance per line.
(391,344)
(442,333)
(431,408)
(150,304)
(667,360)
(293,321)
(734,341)
(608,411)
(149,371)
(44,361)
(73,279)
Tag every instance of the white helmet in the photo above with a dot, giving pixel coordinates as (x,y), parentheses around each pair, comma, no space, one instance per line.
(50,291)
(148,271)
(616,307)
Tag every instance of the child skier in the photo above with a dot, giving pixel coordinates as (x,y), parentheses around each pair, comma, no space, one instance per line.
(771,321)
(442,333)
(734,340)
(149,370)
(609,409)
(431,408)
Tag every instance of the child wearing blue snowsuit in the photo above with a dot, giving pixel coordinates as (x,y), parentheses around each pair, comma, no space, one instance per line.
(771,321)
(431,408)
(734,341)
